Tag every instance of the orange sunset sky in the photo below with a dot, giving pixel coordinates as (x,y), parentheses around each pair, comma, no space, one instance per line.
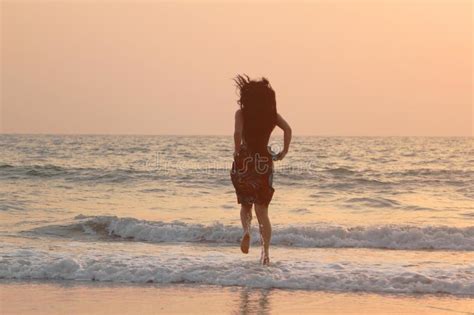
(342,67)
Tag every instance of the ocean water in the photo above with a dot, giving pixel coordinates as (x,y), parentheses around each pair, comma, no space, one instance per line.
(349,214)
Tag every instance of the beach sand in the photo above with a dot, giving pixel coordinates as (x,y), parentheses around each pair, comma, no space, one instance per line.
(68,297)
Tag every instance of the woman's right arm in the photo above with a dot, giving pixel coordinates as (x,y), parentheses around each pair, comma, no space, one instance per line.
(286,136)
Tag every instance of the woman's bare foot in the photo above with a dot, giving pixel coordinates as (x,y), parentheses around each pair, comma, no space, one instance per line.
(266,261)
(264,258)
(245,243)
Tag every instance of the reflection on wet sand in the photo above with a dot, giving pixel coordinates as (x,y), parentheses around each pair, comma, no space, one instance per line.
(254,301)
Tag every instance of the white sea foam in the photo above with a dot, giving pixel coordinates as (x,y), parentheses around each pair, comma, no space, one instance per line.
(389,237)
(217,268)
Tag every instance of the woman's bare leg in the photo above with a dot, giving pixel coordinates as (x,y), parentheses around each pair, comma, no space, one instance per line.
(246,218)
(265,230)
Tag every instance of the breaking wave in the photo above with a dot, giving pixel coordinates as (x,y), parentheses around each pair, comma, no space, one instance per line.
(227,270)
(385,237)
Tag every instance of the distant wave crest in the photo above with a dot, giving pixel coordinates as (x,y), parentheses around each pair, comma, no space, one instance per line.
(217,175)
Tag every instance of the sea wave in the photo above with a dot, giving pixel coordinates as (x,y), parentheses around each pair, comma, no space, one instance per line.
(374,202)
(188,171)
(216,268)
(386,237)
(76,174)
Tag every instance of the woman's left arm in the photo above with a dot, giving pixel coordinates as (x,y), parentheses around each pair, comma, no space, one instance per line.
(239,126)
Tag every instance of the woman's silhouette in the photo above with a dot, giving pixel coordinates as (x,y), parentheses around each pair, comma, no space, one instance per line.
(252,169)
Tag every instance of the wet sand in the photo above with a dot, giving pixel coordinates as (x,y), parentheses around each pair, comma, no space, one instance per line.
(68,297)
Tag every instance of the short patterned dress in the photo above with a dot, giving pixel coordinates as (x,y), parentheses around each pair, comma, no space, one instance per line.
(252,176)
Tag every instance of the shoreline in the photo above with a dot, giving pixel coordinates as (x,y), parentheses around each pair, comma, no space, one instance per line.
(72,297)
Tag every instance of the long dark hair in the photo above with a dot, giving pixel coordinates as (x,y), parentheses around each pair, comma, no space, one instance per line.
(258,103)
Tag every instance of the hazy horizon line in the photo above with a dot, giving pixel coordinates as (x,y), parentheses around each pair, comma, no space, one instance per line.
(228,135)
